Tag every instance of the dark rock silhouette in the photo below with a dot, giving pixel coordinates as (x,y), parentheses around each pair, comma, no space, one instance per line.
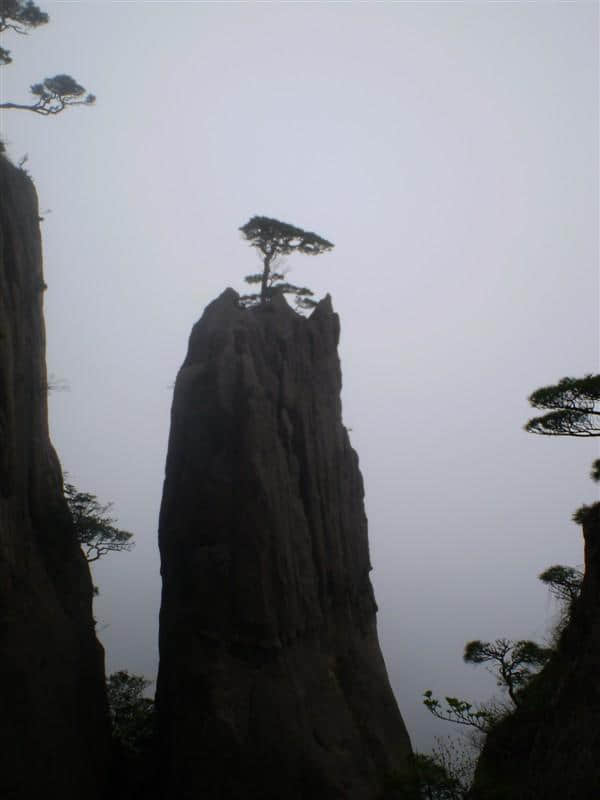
(271,681)
(550,746)
(54,734)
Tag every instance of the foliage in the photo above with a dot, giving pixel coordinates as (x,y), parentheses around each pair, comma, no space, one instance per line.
(275,283)
(587,514)
(435,782)
(18,16)
(274,239)
(575,408)
(595,473)
(52,95)
(459,711)
(445,774)
(95,530)
(131,714)
(515,663)
(563,582)
(454,764)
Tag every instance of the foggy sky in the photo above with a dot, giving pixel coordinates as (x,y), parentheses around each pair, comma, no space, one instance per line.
(450,151)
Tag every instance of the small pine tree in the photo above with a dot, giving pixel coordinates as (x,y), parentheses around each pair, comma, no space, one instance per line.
(52,95)
(274,239)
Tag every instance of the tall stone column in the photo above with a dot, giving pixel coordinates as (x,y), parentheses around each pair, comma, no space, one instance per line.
(271,682)
(54,727)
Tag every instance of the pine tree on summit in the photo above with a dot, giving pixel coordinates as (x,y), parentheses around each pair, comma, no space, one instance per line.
(273,239)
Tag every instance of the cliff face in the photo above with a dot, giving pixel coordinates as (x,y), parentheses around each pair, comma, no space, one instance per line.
(271,680)
(53,723)
(550,747)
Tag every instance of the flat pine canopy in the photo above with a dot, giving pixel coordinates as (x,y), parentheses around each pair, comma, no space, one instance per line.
(272,236)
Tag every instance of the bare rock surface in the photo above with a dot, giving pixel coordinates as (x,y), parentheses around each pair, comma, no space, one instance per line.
(271,681)
(53,717)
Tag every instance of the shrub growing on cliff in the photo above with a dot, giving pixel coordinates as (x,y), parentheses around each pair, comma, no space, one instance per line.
(513,665)
(52,95)
(575,404)
(563,582)
(587,514)
(95,530)
(445,774)
(461,712)
(274,239)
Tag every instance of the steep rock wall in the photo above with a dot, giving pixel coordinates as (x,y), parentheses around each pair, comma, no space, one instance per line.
(550,747)
(271,680)
(53,719)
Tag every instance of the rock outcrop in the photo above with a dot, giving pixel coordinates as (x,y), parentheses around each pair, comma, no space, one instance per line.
(53,719)
(271,680)
(550,746)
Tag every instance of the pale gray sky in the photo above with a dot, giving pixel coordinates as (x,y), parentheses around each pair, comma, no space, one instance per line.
(450,151)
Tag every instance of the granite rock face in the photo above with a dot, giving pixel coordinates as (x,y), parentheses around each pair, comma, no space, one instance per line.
(271,680)
(550,747)
(53,718)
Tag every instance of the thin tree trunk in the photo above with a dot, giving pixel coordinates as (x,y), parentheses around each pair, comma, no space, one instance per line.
(265,277)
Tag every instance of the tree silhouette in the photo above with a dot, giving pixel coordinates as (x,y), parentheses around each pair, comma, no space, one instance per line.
(52,94)
(131,713)
(575,404)
(461,712)
(563,582)
(274,239)
(18,17)
(514,663)
(94,528)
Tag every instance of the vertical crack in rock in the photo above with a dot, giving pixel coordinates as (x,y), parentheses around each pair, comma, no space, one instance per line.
(271,680)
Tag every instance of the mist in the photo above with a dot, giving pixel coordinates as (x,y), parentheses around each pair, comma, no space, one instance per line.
(450,152)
